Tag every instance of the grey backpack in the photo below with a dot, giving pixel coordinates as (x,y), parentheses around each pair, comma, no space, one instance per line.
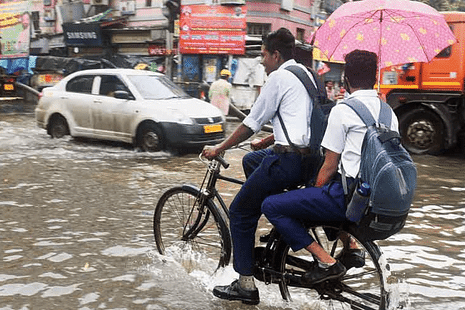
(389,170)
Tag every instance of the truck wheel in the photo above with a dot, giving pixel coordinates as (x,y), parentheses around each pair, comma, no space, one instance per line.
(150,138)
(422,132)
(58,127)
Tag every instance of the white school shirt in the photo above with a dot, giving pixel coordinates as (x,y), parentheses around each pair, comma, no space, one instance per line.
(282,86)
(346,130)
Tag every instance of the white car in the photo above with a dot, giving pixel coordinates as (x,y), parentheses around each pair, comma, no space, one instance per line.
(133,106)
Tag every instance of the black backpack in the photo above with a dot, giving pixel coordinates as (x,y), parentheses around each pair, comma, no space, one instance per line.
(321,106)
(318,122)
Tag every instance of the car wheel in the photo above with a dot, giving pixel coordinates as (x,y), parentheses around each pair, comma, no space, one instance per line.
(150,138)
(422,132)
(58,127)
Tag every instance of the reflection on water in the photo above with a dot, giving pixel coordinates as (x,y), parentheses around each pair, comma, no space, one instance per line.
(76,230)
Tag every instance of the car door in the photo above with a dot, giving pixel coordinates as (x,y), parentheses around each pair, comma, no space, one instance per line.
(109,114)
(77,101)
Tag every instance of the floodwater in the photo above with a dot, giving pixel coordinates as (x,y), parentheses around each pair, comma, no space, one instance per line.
(76,229)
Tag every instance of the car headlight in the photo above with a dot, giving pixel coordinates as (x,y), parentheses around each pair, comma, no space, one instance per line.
(181,118)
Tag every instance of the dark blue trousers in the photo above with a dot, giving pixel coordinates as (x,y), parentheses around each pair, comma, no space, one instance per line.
(267,173)
(289,211)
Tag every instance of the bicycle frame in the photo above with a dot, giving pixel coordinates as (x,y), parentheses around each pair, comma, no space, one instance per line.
(212,175)
(362,288)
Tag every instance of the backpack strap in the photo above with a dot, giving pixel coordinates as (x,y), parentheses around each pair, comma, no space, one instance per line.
(317,118)
(362,111)
(305,79)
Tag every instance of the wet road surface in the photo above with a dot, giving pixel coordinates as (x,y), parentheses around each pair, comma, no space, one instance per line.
(76,229)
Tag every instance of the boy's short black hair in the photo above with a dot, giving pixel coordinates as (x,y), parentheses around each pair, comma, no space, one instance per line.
(360,69)
(282,41)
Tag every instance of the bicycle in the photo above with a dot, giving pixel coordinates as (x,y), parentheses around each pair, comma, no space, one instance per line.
(203,229)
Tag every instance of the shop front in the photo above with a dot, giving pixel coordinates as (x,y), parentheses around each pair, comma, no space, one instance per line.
(209,37)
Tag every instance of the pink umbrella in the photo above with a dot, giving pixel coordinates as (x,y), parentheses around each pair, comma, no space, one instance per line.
(398,31)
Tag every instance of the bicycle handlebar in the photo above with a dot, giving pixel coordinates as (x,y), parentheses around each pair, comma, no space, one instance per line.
(223,162)
(220,158)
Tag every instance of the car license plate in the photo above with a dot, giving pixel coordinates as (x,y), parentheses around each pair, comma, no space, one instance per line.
(8,87)
(213,128)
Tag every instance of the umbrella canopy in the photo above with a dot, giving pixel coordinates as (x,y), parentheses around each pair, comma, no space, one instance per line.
(398,31)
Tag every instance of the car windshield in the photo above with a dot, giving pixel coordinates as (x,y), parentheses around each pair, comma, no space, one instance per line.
(153,87)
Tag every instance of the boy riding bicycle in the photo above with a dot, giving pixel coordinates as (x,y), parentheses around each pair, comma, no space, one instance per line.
(268,171)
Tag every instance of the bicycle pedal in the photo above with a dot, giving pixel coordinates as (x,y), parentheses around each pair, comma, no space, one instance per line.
(265,238)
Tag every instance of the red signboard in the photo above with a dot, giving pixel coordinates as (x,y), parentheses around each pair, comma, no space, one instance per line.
(212,29)
(157,50)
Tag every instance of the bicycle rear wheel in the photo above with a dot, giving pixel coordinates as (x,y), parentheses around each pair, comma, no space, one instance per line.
(360,288)
(191,228)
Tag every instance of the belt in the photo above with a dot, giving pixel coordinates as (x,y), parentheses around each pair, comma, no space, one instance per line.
(281,149)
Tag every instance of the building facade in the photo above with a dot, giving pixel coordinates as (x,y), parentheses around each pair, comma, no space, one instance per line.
(105,29)
(139,27)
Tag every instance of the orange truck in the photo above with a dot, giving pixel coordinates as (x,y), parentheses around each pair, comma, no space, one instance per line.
(429,98)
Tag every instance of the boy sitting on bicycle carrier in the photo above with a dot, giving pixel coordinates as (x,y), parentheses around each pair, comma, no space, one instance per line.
(268,171)
(325,201)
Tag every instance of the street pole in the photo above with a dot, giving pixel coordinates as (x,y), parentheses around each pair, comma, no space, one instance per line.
(169,58)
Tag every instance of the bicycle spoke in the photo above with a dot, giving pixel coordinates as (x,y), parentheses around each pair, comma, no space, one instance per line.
(366,296)
(359,275)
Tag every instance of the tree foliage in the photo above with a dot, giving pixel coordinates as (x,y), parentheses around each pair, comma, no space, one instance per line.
(440,5)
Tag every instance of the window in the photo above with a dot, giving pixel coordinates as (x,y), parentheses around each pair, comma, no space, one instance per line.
(35,17)
(153,87)
(148,3)
(109,84)
(445,53)
(300,34)
(80,84)
(258,29)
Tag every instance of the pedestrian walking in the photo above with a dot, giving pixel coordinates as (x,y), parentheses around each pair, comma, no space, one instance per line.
(220,92)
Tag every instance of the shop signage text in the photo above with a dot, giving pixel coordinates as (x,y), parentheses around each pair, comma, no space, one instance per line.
(212,29)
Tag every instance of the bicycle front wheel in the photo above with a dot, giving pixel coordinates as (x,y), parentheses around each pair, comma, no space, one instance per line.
(360,288)
(191,228)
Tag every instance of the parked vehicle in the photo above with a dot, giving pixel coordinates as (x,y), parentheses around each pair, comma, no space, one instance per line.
(8,86)
(134,106)
(429,98)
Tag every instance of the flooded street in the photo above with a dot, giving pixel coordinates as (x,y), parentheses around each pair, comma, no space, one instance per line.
(76,229)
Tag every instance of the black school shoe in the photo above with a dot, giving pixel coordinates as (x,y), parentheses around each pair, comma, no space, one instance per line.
(235,292)
(352,258)
(317,274)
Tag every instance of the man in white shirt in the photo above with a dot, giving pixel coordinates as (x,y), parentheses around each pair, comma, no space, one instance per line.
(220,92)
(325,201)
(268,171)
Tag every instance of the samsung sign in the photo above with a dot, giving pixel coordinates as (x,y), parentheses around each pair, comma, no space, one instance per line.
(82,34)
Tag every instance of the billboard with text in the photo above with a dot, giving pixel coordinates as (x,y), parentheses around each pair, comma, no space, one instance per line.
(212,29)
(15,29)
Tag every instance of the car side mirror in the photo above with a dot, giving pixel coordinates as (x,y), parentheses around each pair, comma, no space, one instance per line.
(121,94)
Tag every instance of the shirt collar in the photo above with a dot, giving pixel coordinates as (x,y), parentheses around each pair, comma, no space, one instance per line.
(287,63)
(364,93)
